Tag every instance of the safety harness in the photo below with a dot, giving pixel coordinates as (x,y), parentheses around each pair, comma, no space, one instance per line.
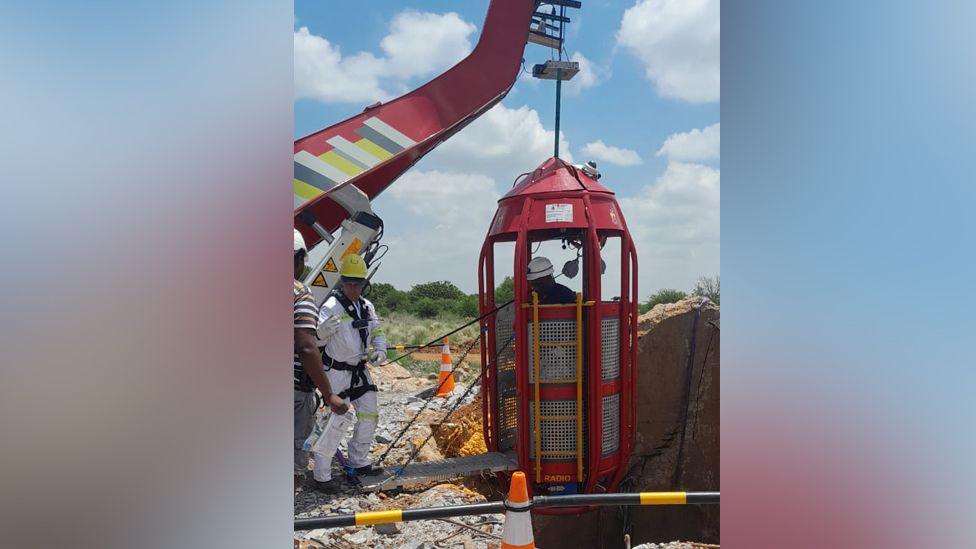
(359,385)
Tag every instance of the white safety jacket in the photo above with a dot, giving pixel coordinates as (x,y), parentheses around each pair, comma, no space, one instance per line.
(345,345)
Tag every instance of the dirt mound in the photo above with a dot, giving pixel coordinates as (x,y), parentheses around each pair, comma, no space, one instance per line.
(462,434)
(665,311)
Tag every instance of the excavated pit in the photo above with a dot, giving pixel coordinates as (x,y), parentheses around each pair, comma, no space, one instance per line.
(462,435)
(676,440)
(677,435)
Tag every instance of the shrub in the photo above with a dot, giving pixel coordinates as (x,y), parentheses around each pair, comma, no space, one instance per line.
(386,298)
(425,307)
(436,290)
(466,307)
(708,287)
(505,291)
(408,329)
(666,295)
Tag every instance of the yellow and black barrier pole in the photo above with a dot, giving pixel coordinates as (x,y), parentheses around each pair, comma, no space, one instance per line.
(405,347)
(538,502)
(632,498)
(399,515)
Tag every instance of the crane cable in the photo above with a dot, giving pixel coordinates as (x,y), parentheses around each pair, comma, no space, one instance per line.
(434,342)
(453,368)
(426,403)
(399,469)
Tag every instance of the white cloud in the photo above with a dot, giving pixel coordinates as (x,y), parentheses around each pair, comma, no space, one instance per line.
(420,43)
(501,144)
(678,43)
(600,151)
(694,146)
(675,226)
(322,73)
(675,220)
(417,44)
(436,223)
(445,198)
(589,75)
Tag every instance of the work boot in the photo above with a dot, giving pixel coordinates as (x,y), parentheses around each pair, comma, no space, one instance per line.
(365,471)
(326,487)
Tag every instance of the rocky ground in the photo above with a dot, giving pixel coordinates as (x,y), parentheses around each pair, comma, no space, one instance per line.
(462,532)
(402,396)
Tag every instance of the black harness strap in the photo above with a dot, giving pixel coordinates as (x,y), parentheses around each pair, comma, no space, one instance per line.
(361,324)
(359,385)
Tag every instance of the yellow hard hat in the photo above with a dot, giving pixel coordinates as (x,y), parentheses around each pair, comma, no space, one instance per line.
(353,266)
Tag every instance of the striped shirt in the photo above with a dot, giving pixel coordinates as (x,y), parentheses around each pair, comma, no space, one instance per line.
(306,316)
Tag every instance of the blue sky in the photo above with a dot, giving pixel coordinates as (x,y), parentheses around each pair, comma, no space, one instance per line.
(650,73)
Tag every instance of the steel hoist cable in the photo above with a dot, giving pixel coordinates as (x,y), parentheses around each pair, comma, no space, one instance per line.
(437,388)
(457,403)
(426,402)
(434,342)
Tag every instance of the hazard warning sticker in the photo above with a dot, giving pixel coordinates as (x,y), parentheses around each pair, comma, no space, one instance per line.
(559,213)
(353,248)
(330,266)
(320,281)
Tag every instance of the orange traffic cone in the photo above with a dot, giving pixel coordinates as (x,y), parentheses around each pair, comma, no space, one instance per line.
(517,532)
(445,381)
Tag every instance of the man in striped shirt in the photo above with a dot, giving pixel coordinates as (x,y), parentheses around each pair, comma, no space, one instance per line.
(309,373)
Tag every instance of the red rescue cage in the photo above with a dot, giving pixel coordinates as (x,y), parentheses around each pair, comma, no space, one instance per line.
(559,379)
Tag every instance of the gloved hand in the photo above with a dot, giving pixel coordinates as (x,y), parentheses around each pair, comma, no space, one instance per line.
(378,356)
(328,328)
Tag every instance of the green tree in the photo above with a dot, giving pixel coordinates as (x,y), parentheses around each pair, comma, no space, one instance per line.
(436,290)
(666,295)
(505,291)
(425,307)
(708,287)
(386,298)
(466,307)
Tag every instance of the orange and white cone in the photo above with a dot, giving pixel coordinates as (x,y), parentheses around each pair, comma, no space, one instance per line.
(517,532)
(445,381)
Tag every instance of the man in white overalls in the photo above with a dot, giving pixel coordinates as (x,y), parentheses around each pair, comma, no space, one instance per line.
(351,325)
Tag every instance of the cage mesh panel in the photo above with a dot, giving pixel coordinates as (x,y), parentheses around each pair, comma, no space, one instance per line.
(558,435)
(556,364)
(505,381)
(611,424)
(611,348)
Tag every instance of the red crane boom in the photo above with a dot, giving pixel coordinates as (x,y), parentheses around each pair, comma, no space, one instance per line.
(370,150)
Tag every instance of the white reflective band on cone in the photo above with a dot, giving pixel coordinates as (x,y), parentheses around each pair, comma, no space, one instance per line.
(517,533)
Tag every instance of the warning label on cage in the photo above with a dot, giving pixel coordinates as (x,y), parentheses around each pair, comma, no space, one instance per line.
(559,213)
